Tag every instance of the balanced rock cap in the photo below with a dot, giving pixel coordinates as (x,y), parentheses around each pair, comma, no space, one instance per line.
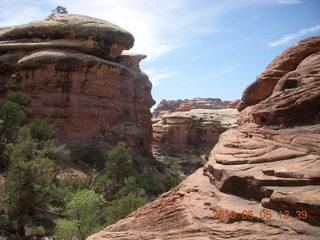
(70,26)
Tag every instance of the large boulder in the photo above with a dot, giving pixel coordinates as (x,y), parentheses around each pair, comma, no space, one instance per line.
(75,74)
(262,180)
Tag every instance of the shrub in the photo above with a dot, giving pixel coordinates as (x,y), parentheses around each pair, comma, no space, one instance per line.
(29,175)
(12,117)
(41,130)
(119,164)
(150,184)
(172,163)
(171,181)
(122,207)
(85,216)
(18,98)
(160,166)
(90,155)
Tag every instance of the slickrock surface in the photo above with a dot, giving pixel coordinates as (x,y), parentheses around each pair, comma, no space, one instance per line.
(168,106)
(188,136)
(75,74)
(271,162)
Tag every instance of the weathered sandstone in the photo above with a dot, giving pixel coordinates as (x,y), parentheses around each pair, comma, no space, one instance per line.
(75,74)
(270,162)
(233,104)
(188,136)
(284,63)
(168,106)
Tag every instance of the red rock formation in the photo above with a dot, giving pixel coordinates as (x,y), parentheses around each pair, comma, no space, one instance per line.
(187,129)
(72,68)
(168,106)
(270,163)
(281,65)
(202,103)
(233,104)
(188,136)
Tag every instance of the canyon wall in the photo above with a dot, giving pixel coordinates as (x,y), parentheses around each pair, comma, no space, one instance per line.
(262,180)
(73,69)
(189,136)
(187,130)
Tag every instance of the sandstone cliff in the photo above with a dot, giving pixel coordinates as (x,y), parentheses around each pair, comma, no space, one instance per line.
(168,106)
(73,69)
(270,163)
(188,136)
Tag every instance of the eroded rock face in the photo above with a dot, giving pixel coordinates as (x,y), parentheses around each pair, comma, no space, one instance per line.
(188,136)
(233,104)
(168,106)
(286,62)
(75,74)
(270,162)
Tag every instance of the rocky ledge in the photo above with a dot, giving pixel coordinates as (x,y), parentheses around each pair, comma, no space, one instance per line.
(262,180)
(75,74)
(168,106)
(189,136)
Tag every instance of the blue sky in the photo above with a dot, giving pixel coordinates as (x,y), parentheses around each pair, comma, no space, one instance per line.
(195,48)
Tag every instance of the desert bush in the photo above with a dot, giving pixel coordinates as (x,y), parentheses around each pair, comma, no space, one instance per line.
(85,215)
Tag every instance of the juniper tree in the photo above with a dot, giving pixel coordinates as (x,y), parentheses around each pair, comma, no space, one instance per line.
(58,10)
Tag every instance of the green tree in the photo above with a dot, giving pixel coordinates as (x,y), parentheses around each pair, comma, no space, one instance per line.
(85,216)
(122,207)
(29,176)
(41,129)
(173,164)
(90,155)
(119,164)
(12,117)
(58,10)
(18,97)
(130,185)
(171,181)
(175,178)
(150,184)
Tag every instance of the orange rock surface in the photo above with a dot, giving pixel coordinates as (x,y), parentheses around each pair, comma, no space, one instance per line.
(75,74)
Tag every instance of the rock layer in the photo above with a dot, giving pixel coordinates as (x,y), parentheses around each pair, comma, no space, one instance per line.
(188,136)
(269,163)
(168,106)
(75,74)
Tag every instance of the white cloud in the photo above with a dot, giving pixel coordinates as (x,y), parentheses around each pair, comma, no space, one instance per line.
(19,12)
(290,1)
(224,71)
(159,27)
(293,36)
(157,75)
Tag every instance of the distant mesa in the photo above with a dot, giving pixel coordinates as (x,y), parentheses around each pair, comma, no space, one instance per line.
(186,130)
(75,73)
(167,106)
(189,136)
